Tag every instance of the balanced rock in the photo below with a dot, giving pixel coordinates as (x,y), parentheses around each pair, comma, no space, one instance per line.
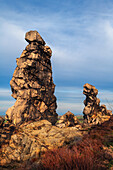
(32,84)
(34,36)
(67,120)
(93,112)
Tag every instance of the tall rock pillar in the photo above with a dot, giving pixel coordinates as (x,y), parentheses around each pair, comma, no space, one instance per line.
(32,84)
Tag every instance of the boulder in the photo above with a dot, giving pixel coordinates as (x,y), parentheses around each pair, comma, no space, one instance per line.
(67,120)
(34,36)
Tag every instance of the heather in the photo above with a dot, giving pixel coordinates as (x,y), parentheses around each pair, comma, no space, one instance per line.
(95,151)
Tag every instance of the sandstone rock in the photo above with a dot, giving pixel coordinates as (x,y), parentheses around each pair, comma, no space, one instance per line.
(33,36)
(32,84)
(33,139)
(5,132)
(109,112)
(1,121)
(48,51)
(67,120)
(93,112)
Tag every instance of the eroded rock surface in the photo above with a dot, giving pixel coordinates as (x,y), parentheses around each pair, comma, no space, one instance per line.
(68,120)
(33,139)
(1,121)
(32,84)
(93,112)
(6,131)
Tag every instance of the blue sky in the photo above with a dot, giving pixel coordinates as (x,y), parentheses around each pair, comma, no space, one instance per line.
(80,34)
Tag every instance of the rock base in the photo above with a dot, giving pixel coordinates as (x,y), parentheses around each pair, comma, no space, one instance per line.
(33,139)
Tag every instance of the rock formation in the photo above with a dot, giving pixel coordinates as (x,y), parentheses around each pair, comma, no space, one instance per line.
(67,120)
(93,112)
(32,84)
(5,132)
(1,121)
(33,139)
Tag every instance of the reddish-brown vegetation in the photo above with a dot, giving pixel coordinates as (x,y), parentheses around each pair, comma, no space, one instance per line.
(79,158)
(86,155)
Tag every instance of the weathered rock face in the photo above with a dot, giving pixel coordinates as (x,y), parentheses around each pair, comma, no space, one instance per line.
(6,131)
(32,84)
(1,121)
(33,139)
(93,112)
(67,120)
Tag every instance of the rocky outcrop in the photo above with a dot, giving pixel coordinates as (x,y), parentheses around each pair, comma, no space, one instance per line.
(68,120)
(93,112)
(33,139)
(32,84)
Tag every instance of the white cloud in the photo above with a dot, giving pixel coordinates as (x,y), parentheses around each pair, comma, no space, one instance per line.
(4,105)
(5,92)
(10,32)
(72,98)
(106,98)
(68,98)
(6,100)
(109,31)
(76,108)
(81,44)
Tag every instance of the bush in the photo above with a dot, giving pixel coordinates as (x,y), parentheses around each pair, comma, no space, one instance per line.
(83,156)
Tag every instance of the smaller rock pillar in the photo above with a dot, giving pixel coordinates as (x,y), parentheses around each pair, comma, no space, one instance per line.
(93,112)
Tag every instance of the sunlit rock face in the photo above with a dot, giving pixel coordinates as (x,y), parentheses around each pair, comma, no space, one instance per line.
(33,139)
(93,112)
(68,120)
(32,84)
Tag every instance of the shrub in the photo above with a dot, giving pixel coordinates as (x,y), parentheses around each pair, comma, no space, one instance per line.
(80,157)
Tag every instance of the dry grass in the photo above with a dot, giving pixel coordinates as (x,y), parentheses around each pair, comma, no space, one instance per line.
(86,155)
